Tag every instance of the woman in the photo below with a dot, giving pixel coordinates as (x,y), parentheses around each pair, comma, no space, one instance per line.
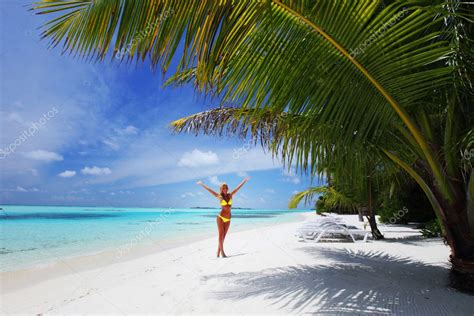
(223,219)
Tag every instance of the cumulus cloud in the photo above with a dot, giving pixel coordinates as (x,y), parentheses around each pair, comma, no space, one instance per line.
(67,174)
(43,155)
(198,158)
(96,171)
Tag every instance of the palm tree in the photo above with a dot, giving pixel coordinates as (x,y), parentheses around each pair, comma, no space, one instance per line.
(334,199)
(367,69)
(355,174)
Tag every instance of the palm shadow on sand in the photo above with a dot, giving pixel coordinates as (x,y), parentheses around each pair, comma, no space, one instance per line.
(357,283)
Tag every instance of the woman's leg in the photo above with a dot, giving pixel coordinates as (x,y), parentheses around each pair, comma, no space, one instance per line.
(220,228)
(224,233)
(226,228)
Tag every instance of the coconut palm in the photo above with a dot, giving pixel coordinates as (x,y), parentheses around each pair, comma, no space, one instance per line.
(366,70)
(358,172)
(333,198)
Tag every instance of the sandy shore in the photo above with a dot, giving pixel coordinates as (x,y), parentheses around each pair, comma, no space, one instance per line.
(268,271)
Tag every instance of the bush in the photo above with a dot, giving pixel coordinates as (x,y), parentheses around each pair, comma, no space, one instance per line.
(393,212)
(412,200)
(432,229)
(320,206)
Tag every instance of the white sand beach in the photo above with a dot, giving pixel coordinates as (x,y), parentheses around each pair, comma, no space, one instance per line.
(268,271)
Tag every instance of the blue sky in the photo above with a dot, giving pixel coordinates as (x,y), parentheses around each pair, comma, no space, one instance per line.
(80,133)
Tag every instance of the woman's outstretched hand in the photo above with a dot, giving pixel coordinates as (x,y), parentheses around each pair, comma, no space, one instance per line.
(199,182)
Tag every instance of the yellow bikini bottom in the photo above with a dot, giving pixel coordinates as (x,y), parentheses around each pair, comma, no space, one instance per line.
(224,219)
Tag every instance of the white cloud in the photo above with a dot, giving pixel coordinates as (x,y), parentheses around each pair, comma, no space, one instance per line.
(144,165)
(21,189)
(190,194)
(129,130)
(96,171)
(215,180)
(67,174)
(113,145)
(43,155)
(295,192)
(291,177)
(271,191)
(198,158)
(242,174)
(295,180)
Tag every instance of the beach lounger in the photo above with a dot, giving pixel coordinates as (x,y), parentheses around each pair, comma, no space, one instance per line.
(316,230)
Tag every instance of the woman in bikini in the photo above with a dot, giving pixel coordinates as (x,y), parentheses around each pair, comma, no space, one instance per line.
(223,219)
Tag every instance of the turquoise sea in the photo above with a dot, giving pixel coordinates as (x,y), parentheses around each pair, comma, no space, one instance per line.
(31,235)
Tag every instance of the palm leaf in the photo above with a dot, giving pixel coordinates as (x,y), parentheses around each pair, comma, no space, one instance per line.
(357,66)
(333,198)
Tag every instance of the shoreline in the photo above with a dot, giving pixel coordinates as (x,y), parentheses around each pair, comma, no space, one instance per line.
(267,271)
(12,280)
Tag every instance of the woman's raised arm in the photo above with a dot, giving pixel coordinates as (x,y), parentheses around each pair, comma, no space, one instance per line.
(208,189)
(239,186)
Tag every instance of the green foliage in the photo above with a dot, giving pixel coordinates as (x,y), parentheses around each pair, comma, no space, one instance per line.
(389,212)
(321,206)
(432,229)
(408,197)
(350,88)
(330,200)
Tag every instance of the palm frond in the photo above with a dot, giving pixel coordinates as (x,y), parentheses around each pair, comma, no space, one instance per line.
(332,198)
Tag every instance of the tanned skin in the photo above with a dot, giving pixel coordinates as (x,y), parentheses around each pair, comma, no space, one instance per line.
(222,227)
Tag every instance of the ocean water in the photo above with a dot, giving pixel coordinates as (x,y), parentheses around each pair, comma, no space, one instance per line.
(31,235)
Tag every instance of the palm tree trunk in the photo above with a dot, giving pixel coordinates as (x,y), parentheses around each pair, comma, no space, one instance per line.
(458,231)
(462,262)
(376,234)
(461,242)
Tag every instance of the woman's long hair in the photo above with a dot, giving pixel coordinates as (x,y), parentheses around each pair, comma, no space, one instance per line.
(227,196)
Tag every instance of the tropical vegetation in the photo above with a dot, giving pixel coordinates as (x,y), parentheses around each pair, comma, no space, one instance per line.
(359,86)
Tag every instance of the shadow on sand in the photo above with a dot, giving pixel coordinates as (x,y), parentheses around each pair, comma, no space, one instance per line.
(356,283)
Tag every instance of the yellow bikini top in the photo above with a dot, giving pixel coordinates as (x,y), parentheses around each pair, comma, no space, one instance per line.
(224,202)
